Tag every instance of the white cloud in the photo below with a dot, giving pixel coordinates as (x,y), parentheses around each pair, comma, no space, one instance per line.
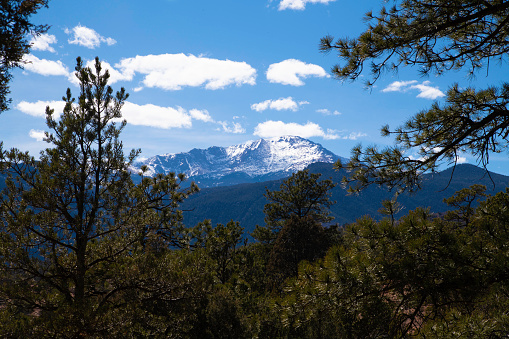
(299,4)
(354,136)
(87,37)
(290,72)
(37,134)
(278,105)
(38,109)
(233,127)
(425,90)
(115,75)
(156,116)
(399,86)
(428,92)
(141,115)
(262,106)
(325,111)
(271,129)
(43,66)
(174,71)
(461,160)
(202,115)
(43,42)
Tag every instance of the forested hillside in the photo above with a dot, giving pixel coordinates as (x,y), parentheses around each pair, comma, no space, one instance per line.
(245,202)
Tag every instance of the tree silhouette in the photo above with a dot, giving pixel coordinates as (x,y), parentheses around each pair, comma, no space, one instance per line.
(436,36)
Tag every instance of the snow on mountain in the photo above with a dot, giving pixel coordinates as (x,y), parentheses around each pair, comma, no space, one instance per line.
(256,158)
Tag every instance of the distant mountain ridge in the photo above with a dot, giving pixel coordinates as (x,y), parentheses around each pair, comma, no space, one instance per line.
(252,161)
(245,202)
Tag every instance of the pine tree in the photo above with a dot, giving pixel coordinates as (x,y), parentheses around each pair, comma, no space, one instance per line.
(14,29)
(301,195)
(422,276)
(76,235)
(436,36)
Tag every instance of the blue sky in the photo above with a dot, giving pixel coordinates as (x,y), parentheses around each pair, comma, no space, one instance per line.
(218,73)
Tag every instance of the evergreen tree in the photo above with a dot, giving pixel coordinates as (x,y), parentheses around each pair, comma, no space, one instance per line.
(301,195)
(422,276)
(464,201)
(391,208)
(15,26)
(294,230)
(436,36)
(77,238)
(299,239)
(222,244)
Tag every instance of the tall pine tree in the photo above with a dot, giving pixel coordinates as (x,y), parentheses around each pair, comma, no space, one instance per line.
(74,229)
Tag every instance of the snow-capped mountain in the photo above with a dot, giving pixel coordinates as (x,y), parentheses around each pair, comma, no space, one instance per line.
(252,161)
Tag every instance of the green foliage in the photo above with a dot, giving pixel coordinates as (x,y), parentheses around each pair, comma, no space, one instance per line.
(299,239)
(421,276)
(436,36)
(471,121)
(165,295)
(391,208)
(294,231)
(74,227)
(222,244)
(463,200)
(489,320)
(15,26)
(301,195)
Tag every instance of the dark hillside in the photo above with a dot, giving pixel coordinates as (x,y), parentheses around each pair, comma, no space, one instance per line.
(244,203)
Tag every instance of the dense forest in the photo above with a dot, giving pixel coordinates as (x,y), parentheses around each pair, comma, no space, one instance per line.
(85,252)
(245,202)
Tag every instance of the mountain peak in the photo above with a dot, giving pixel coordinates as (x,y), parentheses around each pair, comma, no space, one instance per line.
(275,157)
